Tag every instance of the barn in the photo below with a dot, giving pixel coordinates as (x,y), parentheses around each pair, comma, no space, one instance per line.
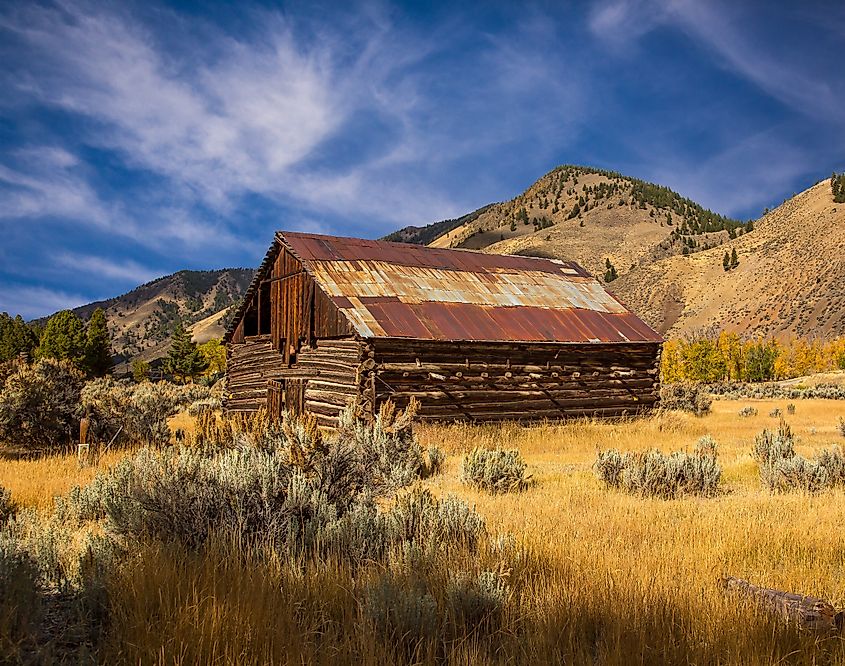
(475,337)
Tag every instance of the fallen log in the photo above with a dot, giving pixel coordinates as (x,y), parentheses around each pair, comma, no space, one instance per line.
(810,613)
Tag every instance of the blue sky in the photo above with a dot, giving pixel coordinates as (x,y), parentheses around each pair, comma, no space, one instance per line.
(140,139)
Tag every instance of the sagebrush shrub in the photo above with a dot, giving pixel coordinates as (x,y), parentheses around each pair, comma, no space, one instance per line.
(7,506)
(20,601)
(771,391)
(842,426)
(403,617)
(476,601)
(748,411)
(775,413)
(790,409)
(495,471)
(655,474)
(782,470)
(139,411)
(39,404)
(693,398)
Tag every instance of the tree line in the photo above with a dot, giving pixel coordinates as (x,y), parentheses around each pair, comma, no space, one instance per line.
(87,345)
(728,357)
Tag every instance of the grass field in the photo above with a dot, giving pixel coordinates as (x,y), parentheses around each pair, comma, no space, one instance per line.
(612,578)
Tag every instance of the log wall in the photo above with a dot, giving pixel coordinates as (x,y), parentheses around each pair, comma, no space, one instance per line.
(250,365)
(334,375)
(506,381)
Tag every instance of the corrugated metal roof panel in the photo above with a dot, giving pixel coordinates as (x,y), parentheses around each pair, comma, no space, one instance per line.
(402,290)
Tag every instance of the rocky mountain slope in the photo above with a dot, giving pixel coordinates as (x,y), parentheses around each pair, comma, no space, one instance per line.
(141,321)
(790,279)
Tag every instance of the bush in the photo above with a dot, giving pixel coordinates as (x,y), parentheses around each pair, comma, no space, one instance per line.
(775,413)
(20,602)
(476,602)
(654,474)
(782,470)
(790,409)
(842,426)
(693,398)
(390,451)
(139,411)
(286,486)
(494,471)
(39,404)
(771,391)
(7,507)
(748,411)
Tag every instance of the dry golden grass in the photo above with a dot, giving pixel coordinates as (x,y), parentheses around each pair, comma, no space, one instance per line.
(35,482)
(610,578)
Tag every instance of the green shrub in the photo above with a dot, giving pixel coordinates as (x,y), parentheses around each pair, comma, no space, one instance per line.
(655,474)
(747,411)
(139,411)
(693,398)
(790,409)
(495,471)
(39,404)
(842,426)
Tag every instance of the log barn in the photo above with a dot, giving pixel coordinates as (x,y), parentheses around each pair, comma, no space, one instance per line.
(473,336)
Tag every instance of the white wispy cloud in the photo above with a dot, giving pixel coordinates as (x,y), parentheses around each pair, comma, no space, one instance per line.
(31,302)
(100,268)
(726,31)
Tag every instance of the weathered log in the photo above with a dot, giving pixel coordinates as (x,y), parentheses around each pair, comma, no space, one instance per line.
(810,613)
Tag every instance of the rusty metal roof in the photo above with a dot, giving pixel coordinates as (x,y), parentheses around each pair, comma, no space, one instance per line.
(390,289)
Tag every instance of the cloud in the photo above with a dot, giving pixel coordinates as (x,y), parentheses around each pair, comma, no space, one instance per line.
(723,31)
(34,301)
(44,182)
(100,268)
(741,177)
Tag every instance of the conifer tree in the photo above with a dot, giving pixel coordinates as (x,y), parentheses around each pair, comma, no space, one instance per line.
(63,339)
(184,361)
(98,355)
(726,262)
(734,259)
(16,337)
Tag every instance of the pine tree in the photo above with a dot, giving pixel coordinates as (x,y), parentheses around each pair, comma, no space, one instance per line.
(98,355)
(63,339)
(734,259)
(184,361)
(140,370)
(16,337)
(726,262)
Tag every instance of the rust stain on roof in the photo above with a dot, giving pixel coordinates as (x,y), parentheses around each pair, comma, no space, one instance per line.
(401,290)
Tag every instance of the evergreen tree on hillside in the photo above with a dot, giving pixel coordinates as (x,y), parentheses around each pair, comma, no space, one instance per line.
(16,337)
(610,273)
(726,261)
(734,259)
(184,361)
(98,356)
(63,339)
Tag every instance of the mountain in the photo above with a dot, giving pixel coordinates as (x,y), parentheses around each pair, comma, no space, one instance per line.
(141,321)
(790,279)
(425,235)
(605,221)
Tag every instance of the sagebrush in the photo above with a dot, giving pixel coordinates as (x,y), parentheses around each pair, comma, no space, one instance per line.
(494,470)
(655,474)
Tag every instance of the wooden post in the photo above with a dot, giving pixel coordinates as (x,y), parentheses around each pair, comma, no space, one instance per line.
(84,448)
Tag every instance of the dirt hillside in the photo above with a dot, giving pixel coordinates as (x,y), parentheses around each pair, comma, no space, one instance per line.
(790,279)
